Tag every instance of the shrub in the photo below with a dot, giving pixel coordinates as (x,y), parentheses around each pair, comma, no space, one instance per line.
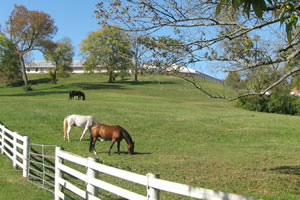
(254,103)
(279,102)
(283,103)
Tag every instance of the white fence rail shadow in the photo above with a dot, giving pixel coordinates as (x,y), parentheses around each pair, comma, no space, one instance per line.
(152,184)
(16,147)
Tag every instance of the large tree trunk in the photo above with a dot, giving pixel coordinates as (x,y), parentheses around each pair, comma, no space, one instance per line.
(110,80)
(23,69)
(54,76)
(136,70)
(135,75)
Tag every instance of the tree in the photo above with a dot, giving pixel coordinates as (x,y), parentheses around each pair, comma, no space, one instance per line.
(198,27)
(140,56)
(9,61)
(109,48)
(60,54)
(233,80)
(29,30)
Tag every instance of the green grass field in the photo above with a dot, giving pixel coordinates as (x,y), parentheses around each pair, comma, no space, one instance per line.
(179,133)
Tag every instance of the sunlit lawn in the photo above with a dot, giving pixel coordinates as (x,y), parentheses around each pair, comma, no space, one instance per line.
(179,133)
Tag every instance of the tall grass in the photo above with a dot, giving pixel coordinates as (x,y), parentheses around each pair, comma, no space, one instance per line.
(179,133)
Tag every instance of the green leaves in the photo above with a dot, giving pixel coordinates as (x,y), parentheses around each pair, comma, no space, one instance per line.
(288,16)
(60,54)
(9,61)
(109,48)
(285,11)
(258,6)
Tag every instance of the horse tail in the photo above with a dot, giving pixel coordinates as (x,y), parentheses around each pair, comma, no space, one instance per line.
(65,126)
(83,96)
(91,142)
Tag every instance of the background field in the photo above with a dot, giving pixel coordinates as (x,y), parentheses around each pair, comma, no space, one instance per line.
(179,133)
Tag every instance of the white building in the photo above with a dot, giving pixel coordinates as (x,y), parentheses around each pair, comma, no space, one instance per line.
(44,66)
(77,66)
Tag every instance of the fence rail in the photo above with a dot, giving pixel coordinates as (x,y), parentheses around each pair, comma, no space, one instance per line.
(153,184)
(16,147)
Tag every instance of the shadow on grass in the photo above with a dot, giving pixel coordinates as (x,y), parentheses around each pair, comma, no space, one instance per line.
(65,88)
(40,81)
(35,93)
(125,153)
(134,154)
(291,170)
(128,82)
(91,86)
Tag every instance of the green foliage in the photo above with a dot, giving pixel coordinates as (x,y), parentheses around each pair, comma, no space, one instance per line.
(60,54)
(258,6)
(9,62)
(254,103)
(52,75)
(108,48)
(279,102)
(233,80)
(283,103)
(285,10)
(29,30)
(241,48)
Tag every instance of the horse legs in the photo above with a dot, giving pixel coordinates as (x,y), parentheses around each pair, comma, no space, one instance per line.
(112,144)
(119,147)
(93,146)
(68,132)
(87,126)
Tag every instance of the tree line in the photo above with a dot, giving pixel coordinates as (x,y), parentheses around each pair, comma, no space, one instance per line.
(28,30)
(257,40)
(256,43)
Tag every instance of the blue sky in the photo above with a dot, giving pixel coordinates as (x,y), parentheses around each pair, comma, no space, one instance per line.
(74,18)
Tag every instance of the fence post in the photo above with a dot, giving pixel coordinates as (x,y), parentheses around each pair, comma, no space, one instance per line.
(90,189)
(2,139)
(152,193)
(14,150)
(26,146)
(58,174)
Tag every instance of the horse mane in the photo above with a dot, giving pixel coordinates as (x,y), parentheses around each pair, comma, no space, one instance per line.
(126,135)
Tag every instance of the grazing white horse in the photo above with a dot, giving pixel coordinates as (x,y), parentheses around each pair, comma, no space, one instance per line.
(78,120)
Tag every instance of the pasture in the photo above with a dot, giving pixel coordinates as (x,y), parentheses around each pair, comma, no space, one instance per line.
(179,133)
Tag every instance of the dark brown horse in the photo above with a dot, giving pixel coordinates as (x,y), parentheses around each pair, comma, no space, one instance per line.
(113,133)
(79,94)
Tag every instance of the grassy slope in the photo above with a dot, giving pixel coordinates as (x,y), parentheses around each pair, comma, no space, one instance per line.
(179,133)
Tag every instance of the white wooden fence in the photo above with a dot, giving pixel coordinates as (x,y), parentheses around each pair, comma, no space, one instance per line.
(152,183)
(16,147)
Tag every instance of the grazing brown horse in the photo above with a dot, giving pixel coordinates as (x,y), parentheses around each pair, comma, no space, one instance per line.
(113,133)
